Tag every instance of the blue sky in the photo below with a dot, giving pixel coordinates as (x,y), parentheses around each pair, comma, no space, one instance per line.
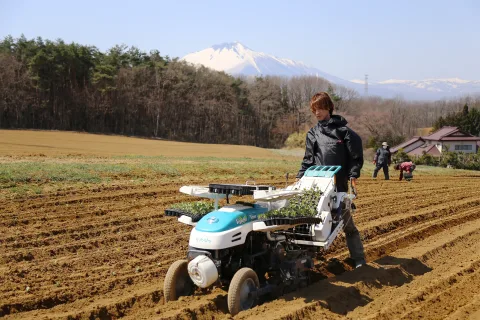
(386,39)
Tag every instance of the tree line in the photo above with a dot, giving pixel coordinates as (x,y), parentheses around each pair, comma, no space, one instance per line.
(468,120)
(54,85)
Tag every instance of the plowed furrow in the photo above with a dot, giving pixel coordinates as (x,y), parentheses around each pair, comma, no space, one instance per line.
(393,212)
(449,293)
(451,265)
(375,251)
(359,293)
(103,253)
(394,206)
(393,226)
(368,200)
(93,220)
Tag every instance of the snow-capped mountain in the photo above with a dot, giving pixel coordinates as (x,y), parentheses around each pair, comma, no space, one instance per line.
(428,88)
(235,58)
(447,87)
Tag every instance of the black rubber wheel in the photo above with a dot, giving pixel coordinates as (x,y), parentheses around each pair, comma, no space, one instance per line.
(177,281)
(241,291)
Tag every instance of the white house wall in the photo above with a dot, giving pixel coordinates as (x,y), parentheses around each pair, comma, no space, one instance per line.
(451,146)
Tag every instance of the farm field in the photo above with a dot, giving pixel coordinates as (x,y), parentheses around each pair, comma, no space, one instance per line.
(83,235)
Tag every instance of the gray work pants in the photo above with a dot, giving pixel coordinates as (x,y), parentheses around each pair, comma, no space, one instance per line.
(385,170)
(354,243)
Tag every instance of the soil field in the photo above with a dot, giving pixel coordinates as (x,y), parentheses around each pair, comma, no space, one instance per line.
(83,236)
(63,143)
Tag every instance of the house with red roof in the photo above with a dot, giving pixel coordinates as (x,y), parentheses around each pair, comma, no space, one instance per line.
(445,139)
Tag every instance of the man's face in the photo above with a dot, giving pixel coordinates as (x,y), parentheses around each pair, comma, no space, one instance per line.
(322,114)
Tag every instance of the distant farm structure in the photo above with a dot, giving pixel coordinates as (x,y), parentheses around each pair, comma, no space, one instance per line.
(450,139)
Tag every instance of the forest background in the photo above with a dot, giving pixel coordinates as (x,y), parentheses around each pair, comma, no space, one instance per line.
(54,85)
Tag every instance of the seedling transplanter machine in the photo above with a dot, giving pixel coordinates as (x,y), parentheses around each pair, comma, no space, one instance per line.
(239,248)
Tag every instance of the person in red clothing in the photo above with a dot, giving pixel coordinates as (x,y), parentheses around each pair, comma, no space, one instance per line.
(408,167)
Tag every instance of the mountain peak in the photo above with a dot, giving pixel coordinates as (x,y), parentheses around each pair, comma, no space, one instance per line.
(237,58)
(230,46)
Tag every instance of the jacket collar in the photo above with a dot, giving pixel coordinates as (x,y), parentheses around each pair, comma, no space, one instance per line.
(335,120)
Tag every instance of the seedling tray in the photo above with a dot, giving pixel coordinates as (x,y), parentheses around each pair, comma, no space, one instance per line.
(178,213)
(271,221)
(237,189)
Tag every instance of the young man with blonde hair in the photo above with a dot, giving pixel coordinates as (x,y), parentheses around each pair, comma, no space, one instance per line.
(331,142)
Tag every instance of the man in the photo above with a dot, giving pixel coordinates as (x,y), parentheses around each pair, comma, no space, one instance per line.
(383,158)
(331,142)
(408,167)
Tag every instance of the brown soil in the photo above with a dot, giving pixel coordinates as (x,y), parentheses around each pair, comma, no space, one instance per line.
(15,142)
(102,254)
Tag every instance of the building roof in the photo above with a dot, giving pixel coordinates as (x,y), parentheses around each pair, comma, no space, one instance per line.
(405,144)
(444,134)
(440,133)
(429,149)
(461,139)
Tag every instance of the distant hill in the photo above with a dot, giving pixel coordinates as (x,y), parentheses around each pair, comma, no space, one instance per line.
(54,143)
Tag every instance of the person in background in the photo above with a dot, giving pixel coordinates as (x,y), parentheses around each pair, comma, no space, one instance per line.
(406,170)
(383,158)
(332,143)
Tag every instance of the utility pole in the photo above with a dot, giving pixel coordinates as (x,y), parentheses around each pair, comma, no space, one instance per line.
(366,85)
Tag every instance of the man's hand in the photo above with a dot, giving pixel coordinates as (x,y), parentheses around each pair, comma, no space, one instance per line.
(354,182)
(374,162)
(354,185)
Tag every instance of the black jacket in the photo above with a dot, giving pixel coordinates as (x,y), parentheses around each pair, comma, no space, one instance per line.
(332,143)
(383,156)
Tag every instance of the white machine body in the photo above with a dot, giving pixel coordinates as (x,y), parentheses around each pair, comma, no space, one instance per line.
(235,234)
(219,240)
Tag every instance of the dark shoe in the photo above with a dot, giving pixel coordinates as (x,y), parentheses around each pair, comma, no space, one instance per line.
(359,263)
